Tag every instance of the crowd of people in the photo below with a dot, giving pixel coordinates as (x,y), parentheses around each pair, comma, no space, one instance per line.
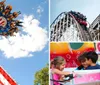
(11,26)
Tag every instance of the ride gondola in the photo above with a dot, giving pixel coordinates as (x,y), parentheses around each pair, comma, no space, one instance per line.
(8,23)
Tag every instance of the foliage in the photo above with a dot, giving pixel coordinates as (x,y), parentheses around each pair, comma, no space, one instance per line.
(42,76)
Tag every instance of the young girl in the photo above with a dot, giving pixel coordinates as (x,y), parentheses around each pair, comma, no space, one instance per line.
(57,67)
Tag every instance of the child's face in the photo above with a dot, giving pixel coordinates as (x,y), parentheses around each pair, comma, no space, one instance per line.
(62,66)
(85,63)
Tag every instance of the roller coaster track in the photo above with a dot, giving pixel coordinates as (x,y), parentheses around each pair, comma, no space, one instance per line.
(61,27)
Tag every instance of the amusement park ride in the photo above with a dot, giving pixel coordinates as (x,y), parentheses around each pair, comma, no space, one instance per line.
(8,26)
(72,26)
(8,23)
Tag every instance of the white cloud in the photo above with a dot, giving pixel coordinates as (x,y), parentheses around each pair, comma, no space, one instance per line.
(31,38)
(39,10)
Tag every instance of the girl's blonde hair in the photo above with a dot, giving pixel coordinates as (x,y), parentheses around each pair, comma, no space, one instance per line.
(57,61)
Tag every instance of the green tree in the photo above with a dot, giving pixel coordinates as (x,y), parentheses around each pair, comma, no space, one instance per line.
(42,76)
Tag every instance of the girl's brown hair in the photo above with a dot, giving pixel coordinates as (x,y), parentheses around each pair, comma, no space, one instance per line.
(57,61)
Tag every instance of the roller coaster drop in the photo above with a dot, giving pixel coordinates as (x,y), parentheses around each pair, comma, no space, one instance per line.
(70,26)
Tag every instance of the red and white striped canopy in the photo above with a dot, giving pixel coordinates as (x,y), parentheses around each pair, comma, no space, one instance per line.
(5,79)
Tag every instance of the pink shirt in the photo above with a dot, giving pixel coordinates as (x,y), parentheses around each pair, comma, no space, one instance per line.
(56,77)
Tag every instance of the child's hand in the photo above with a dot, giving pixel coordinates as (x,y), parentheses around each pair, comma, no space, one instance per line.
(62,77)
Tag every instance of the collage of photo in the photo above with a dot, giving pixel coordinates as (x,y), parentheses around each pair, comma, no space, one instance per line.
(49,42)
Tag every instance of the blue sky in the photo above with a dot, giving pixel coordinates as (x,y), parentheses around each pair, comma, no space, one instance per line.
(22,62)
(90,8)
